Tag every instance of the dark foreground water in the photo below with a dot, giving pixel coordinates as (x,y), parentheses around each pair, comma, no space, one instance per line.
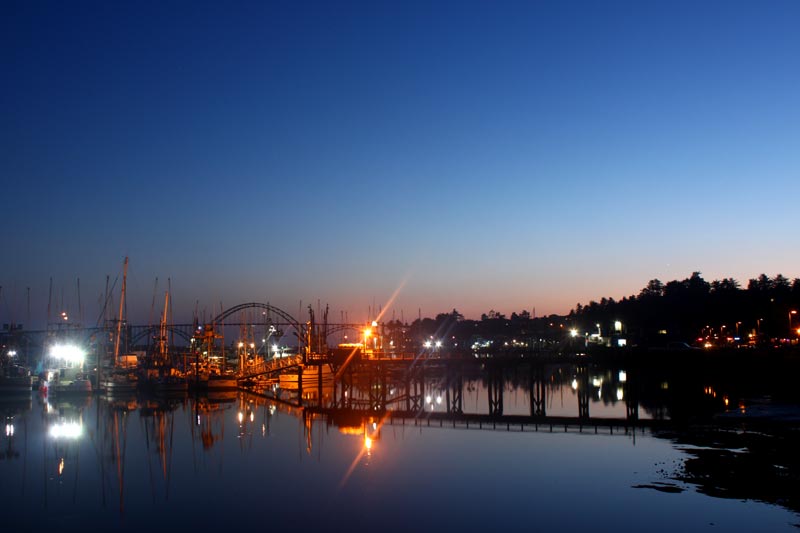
(244,462)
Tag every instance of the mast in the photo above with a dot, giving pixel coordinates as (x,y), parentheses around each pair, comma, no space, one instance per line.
(163,333)
(121,307)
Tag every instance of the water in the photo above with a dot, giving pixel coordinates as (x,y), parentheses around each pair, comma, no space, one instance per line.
(244,461)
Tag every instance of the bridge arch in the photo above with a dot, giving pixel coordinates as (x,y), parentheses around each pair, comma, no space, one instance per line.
(153,331)
(341,328)
(293,322)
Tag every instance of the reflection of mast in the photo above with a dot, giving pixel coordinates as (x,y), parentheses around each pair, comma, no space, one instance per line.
(156,429)
(114,446)
(119,456)
(121,307)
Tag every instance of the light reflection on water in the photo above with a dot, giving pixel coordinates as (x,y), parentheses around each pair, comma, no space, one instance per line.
(245,461)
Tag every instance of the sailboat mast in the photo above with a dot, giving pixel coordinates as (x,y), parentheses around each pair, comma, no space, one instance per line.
(121,307)
(163,347)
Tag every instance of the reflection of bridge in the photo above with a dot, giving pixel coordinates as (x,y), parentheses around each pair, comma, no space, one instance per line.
(431,394)
(489,422)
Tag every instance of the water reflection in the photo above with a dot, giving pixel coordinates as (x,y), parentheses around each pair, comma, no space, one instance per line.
(382,437)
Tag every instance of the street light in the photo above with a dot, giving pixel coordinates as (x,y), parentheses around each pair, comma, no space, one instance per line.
(367,333)
(792,312)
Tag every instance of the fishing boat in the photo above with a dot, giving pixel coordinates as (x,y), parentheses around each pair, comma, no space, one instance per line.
(121,377)
(159,374)
(15,380)
(77,383)
(222,382)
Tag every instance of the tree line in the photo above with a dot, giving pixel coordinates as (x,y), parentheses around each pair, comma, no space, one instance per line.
(687,309)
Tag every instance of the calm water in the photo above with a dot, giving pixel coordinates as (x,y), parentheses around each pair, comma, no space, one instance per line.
(245,461)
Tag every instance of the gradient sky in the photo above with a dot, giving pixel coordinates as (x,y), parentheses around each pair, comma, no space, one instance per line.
(480,155)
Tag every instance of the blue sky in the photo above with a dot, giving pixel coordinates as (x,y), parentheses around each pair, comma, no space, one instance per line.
(482,155)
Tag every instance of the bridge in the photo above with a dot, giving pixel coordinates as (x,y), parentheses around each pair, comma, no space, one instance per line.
(310,336)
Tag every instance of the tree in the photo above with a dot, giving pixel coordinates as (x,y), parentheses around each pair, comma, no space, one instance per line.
(653,289)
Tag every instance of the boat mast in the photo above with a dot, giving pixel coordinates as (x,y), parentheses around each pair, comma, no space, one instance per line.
(163,333)
(121,307)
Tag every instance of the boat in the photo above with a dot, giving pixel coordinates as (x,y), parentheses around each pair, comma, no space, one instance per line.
(79,384)
(158,373)
(121,377)
(119,381)
(222,382)
(15,380)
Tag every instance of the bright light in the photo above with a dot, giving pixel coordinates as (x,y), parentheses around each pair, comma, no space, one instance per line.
(374,324)
(12,353)
(9,430)
(66,430)
(574,384)
(573,333)
(367,443)
(241,417)
(241,345)
(427,344)
(69,353)
(427,399)
(367,332)
(439,400)
(623,376)
(617,325)
(438,344)
(274,347)
(620,393)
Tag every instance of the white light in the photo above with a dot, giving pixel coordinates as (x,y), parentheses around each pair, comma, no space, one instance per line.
(12,353)
(620,393)
(573,333)
(439,400)
(623,376)
(427,399)
(69,353)
(9,430)
(574,384)
(438,344)
(427,344)
(66,430)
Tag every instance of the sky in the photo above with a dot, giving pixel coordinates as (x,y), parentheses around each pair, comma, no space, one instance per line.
(409,156)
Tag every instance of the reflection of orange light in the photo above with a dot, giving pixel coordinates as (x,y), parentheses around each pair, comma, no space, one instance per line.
(726,401)
(61,466)
(367,443)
